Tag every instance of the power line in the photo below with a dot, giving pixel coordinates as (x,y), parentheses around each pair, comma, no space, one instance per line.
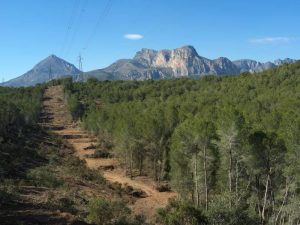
(101,18)
(69,26)
(77,19)
(50,73)
(62,14)
(80,62)
(78,22)
(80,75)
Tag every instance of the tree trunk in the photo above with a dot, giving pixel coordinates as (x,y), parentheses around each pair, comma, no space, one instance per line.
(140,164)
(283,202)
(230,170)
(159,175)
(282,221)
(205,179)
(265,199)
(166,164)
(230,175)
(236,182)
(155,169)
(257,184)
(126,164)
(196,191)
(131,158)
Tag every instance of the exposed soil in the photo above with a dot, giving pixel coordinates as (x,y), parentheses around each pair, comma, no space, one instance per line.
(35,205)
(57,119)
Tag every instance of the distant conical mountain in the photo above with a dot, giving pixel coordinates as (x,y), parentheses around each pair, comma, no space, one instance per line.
(51,67)
(179,62)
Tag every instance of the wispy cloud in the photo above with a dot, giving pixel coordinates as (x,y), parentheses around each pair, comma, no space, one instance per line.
(133,37)
(271,40)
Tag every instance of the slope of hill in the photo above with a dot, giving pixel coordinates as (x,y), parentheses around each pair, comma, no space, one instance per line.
(50,68)
(228,144)
(41,180)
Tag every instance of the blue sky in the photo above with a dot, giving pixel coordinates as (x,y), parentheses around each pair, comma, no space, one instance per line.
(106,30)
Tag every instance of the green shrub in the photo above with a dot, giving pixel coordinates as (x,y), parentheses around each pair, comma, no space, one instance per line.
(67,84)
(76,108)
(78,168)
(221,213)
(183,213)
(103,212)
(61,201)
(42,176)
(227,216)
(8,192)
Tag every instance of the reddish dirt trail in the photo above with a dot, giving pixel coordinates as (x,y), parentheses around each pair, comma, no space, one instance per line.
(59,121)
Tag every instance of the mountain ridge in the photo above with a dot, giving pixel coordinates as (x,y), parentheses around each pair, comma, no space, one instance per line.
(146,64)
(178,62)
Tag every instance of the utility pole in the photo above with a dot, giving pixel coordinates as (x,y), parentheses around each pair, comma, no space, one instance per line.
(50,73)
(80,76)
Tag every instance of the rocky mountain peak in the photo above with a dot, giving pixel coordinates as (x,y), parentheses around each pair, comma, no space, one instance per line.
(149,57)
(182,60)
(187,50)
(52,59)
(52,56)
(279,62)
(145,56)
(51,67)
(222,60)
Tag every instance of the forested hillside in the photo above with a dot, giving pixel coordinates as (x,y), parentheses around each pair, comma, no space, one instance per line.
(228,145)
(19,113)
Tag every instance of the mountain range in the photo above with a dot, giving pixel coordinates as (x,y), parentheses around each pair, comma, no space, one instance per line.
(146,64)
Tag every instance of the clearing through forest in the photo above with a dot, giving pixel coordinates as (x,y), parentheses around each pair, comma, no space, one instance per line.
(60,122)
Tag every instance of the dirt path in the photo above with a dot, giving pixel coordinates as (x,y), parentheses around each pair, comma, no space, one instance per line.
(58,119)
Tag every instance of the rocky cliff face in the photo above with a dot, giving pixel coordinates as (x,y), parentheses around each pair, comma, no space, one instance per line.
(184,61)
(145,57)
(247,65)
(51,67)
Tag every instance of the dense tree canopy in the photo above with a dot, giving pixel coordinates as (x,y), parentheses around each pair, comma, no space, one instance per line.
(233,137)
